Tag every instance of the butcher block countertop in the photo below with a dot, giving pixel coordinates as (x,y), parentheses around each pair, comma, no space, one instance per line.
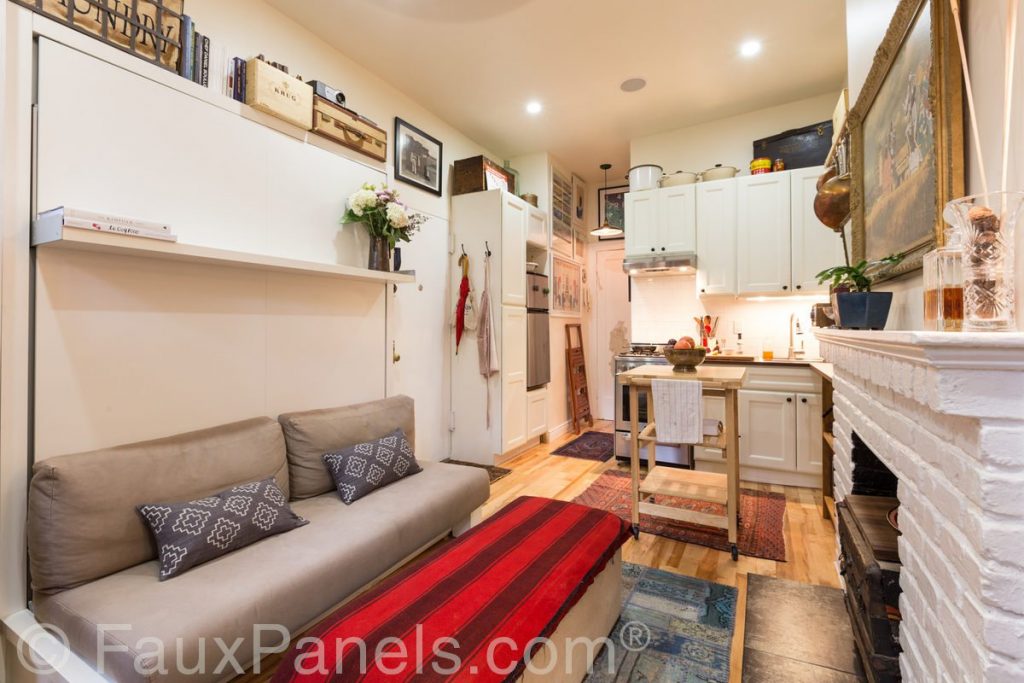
(750,360)
(710,376)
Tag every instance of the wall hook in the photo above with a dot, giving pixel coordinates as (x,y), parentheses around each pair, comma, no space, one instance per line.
(487,248)
(463,249)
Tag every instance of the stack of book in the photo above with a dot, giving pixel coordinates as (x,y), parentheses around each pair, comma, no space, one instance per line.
(63,217)
(208,64)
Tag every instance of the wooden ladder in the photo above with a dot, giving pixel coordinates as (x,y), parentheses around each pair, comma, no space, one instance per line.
(576,366)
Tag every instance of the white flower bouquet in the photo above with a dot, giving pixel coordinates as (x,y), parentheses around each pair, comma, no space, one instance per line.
(383,215)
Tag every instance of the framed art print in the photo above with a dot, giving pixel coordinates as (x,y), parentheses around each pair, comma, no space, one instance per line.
(418,157)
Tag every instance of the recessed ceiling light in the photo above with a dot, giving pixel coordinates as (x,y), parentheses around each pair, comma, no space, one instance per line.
(633,84)
(750,48)
(534,107)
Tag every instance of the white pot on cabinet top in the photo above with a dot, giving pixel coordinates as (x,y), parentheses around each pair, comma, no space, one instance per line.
(644,177)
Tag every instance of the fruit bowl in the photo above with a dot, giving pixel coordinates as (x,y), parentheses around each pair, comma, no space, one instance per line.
(685,360)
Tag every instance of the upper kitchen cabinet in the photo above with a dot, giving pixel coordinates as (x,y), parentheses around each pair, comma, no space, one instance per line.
(716,237)
(815,245)
(661,221)
(763,227)
(537,228)
(514,225)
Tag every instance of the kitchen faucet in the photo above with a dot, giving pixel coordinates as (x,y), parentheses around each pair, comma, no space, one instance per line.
(794,331)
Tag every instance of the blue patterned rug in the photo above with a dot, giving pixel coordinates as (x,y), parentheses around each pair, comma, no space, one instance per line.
(686,622)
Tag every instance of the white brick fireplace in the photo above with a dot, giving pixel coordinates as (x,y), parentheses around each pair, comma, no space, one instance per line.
(945,413)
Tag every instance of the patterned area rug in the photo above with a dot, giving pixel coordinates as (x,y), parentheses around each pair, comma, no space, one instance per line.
(598,446)
(495,473)
(761,517)
(690,625)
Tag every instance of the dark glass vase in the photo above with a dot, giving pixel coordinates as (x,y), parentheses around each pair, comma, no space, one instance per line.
(380,254)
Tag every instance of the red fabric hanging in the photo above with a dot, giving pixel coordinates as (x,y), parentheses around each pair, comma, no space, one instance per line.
(460,308)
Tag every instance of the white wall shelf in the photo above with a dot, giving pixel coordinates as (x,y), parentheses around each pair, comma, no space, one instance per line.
(87,240)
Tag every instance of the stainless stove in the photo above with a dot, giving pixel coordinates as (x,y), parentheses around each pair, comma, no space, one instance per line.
(638,355)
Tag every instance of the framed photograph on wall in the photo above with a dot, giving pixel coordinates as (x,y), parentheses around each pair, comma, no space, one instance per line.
(907,135)
(566,291)
(611,206)
(579,203)
(418,157)
(561,213)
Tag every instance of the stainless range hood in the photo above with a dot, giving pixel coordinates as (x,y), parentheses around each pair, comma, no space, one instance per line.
(661,264)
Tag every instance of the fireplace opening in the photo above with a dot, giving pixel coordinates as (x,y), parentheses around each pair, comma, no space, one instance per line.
(870,564)
(870,475)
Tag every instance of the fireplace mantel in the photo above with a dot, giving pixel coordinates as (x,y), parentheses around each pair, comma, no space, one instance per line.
(945,413)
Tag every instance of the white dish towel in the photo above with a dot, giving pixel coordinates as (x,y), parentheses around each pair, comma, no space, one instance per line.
(678,410)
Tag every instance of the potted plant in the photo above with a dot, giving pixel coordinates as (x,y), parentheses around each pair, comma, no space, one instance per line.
(386,219)
(855,306)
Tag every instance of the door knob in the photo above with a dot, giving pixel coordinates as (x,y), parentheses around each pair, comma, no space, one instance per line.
(803,400)
(789,399)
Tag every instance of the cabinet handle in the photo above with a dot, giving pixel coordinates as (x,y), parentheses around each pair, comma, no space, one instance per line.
(784,287)
(789,399)
(663,248)
(803,400)
(799,286)
(703,291)
(652,248)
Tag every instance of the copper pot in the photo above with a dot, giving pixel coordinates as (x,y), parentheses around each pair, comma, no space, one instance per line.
(828,175)
(832,203)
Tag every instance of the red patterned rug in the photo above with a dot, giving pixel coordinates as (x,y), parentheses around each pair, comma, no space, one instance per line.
(599,446)
(761,517)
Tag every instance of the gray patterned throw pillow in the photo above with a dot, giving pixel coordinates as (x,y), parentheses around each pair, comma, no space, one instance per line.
(365,467)
(188,534)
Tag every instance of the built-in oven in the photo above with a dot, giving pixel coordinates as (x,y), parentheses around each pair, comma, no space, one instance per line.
(678,456)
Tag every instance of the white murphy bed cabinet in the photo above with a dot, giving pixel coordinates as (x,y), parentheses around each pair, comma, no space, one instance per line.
(662,221)
(504,222)
(780,427)
(752,234)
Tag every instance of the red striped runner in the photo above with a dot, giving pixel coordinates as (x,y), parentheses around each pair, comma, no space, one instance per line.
(470,611)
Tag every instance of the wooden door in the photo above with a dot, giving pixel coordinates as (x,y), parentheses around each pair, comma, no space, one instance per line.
(611,332)
(514,220)
(768,429)
(763,228)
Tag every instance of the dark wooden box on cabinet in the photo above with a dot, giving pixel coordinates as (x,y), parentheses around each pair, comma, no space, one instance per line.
(348,128)
(872,585)
(800,147)
(479,173)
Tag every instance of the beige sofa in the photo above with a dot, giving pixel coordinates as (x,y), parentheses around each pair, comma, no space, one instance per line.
(93,562)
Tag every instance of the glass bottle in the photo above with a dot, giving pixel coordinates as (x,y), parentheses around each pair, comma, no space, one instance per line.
(986,224)
(944,284)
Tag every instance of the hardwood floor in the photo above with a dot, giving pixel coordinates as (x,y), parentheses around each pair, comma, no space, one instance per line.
(810,539)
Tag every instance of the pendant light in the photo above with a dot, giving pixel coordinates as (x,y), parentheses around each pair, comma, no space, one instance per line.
(606,230)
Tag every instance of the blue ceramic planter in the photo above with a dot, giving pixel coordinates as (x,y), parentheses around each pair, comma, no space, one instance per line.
(861,310)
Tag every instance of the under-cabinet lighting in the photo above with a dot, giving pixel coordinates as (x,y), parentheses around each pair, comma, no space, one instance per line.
(789,297)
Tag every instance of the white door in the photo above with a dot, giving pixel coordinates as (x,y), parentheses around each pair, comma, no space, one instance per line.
(611,306)
(808,433)
(815,245)
(513,377)
(537,228)
(514,219)
(714,408)
(763,257)
(641,223)
(716,237)
(677,218)
(536,413)
(768,429)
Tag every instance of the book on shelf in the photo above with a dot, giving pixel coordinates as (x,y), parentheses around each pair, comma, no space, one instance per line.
(187,47)
(197,57)
(52,221)
(204,72)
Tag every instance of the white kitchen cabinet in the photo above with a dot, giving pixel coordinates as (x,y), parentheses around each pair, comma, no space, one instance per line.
(513,378)
(815,246)
(536,413)
(767,429)
(716,237)
(808,433)
(763,228)
(661,221)
(514,222)
(641,215)
(714,409)
(537,227)
(677,219)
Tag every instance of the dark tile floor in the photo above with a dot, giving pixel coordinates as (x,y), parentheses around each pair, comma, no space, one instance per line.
(798,633)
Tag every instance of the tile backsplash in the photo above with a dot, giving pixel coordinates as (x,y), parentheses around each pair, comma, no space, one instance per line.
(664,307)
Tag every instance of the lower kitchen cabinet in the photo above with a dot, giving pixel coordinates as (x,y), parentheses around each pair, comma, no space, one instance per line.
(768,429)
(513,378)
(808,436)
(537,412)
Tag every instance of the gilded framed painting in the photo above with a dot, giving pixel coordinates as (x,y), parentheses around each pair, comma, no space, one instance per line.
(907,137)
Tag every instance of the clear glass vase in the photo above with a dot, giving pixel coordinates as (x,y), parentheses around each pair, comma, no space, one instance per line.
(986,223)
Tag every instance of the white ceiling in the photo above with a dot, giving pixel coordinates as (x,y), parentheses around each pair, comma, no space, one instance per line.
(476,63)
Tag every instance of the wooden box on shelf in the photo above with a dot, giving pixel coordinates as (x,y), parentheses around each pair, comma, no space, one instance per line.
(477,174)
(348,128)
(274,92)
